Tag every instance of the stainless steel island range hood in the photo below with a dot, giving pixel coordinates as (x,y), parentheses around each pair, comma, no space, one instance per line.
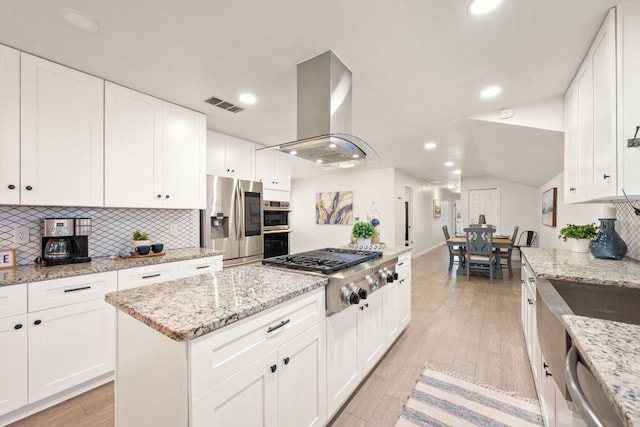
(324,115)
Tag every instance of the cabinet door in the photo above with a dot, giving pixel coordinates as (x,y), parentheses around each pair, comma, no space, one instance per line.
(302,392)
(62,135)
(13,363)
(571,144)
(547,394)
(273,169)
(391,308)
(342,357)
(371,342)
(584,183)
(69,345)
(184,151)
(133,148)
(404,291)
(604,110)
(9,126)
(240,160)
(248,398)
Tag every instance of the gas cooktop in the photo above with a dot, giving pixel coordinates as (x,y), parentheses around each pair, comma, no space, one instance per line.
(326,261)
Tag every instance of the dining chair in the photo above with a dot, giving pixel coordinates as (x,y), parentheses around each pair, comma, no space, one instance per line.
(479,251)
(454,251)
(507,256)
(529,237)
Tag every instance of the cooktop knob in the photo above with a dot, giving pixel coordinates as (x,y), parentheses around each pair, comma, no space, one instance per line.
(362,293)
(354,298)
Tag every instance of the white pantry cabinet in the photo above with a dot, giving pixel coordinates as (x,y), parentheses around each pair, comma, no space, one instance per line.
(273,170)
(9,126)
(72,340)
(13,347)
(154,152)
(230,157)
(61,135)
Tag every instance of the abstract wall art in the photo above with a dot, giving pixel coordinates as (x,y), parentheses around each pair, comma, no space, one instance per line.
(334,208)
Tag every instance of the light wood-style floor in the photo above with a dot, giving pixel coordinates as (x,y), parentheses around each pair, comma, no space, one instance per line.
(470,327)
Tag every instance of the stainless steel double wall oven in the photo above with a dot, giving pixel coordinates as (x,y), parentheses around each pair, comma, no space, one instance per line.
(276,228)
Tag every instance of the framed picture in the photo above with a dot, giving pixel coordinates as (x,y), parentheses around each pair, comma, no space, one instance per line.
(7,258)
(549,206)
(437,209)
(334,208)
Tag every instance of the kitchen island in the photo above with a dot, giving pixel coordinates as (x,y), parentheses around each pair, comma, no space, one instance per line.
(567,283)
(221,349)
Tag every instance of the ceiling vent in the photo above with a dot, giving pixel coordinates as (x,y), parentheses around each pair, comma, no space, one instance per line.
(224,104)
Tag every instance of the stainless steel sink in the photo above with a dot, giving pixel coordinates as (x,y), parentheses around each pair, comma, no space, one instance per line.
(603,302)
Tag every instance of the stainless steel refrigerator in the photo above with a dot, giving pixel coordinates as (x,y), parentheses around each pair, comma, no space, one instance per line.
(232,222)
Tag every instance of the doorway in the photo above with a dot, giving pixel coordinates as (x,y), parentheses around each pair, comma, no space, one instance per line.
(408,217)
(484,201)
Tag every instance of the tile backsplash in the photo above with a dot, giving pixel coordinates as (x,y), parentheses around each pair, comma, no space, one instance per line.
(112,228)
(628,227)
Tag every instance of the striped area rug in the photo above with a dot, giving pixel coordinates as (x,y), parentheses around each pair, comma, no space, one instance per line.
(440,399)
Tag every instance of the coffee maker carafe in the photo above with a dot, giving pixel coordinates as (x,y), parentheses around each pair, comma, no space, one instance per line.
(61,242)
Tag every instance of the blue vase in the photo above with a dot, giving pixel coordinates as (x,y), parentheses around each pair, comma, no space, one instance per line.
(608,244)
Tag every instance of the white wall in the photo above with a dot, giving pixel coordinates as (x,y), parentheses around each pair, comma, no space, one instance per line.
(519,204)
(367,186)
(585,213)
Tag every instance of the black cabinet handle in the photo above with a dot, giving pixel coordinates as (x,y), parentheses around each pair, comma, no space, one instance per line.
(286,360)
(200,267)
(37,322)
(18,326)
(362,307)
(159,196)
(273,328)
(151,276)
(529,300)
(273,368)
(547,373)
(572,188)
(605,176)
(531,279)
(12,187)
(29,188)
(77,289)
(544,365)
(366,305)
(166,197)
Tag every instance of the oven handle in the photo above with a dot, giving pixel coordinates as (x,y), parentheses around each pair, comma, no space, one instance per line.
(275,231)
(575,390)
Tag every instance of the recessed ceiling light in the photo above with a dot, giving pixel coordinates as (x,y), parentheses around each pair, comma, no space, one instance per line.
(456,172)
(491,92)
(356,156)
(77,19)
(247,98)
(480,7)
(319,161)
(430,145)
(293,152)
(448,164)
(332,145)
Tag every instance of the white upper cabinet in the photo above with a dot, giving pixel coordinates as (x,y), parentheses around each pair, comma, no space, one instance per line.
(273,170)
(229,156)
(9,126)
(628,96)
(61,135)
(154,152)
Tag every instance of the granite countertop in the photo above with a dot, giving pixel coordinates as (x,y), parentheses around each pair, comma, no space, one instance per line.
(35,272)
(185,309)
(611,350)
(562,264)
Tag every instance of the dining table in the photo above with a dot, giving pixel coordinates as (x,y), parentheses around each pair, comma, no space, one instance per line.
(498,242)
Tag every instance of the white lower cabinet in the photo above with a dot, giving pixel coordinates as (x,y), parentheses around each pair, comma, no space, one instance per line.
(356,340)
(68,346)
(284,388)
(403,269)
(13,362)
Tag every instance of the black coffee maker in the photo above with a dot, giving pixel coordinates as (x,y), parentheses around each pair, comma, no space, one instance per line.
(65,240)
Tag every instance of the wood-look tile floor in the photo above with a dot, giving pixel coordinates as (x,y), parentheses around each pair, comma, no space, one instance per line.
(467,326)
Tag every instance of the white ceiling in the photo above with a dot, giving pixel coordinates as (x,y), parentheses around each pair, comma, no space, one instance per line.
(418,67)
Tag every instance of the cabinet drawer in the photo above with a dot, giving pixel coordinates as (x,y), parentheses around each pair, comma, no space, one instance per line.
(403,267)
(217,356)
(193,267)
(147,275)
(71,290)
(13,300)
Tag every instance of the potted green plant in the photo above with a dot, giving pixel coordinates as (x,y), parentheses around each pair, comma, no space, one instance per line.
(140,239)
(363,231)
(581,235)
